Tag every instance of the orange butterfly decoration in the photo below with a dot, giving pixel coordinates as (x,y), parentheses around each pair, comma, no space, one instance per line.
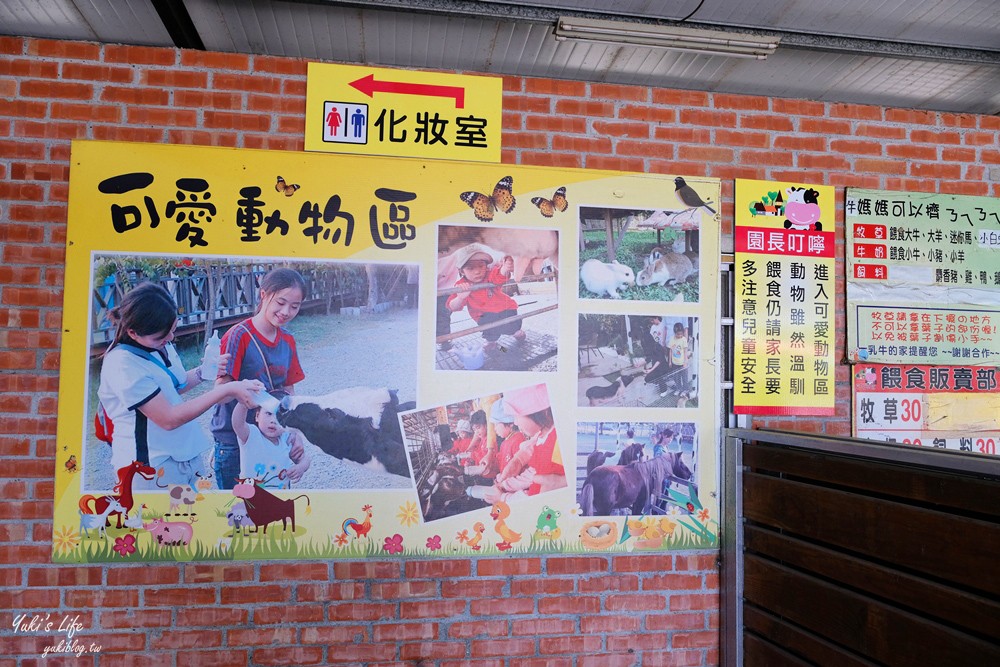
(288,189)
(549,206)
(485,206)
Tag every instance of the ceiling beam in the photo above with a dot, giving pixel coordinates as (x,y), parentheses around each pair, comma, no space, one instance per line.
(178,23)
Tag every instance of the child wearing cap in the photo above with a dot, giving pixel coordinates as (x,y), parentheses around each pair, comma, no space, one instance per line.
(509,441)
(460,445)
(509,437)
(533,416)
(486,305)
(537,466)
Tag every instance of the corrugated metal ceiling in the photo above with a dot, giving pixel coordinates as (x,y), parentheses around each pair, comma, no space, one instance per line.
(965,23)
(927,54)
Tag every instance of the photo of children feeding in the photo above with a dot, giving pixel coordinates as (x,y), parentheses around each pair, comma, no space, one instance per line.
(497,299)
(287,395)
(471,454)
(637,361)
(633,468)
(639,255)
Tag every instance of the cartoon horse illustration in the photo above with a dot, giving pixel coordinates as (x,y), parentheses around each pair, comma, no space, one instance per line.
(122,492)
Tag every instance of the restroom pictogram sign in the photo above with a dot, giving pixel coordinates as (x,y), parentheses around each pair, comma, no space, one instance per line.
(378,111)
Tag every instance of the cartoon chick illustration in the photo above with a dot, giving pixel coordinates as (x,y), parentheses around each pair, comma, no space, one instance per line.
(650,531)
(478,528)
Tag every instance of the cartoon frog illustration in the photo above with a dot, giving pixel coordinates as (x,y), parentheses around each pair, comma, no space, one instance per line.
(546,527)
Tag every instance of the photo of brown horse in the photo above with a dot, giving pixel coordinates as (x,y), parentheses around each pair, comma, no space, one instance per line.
(630,489)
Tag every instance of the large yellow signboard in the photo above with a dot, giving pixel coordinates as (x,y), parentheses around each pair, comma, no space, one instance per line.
(785,298)
(376,111)
(426,358)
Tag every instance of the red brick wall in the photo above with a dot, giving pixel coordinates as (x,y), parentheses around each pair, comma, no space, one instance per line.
(624,610)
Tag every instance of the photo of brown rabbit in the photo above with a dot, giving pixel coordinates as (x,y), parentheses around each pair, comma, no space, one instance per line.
(667,266)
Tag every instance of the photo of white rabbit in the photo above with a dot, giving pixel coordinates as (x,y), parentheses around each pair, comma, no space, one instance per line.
(639,255)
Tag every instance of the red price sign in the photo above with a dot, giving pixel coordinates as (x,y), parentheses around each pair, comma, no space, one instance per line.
(871,271)
(869,251)
(872,232)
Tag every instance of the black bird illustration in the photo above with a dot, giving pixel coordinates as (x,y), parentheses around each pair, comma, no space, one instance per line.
(687,196)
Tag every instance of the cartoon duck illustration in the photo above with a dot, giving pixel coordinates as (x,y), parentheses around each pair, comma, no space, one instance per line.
(500,511)
(133,521)
(546,527)
(478,528)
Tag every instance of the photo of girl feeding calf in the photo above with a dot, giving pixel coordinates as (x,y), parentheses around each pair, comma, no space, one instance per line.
(304,391)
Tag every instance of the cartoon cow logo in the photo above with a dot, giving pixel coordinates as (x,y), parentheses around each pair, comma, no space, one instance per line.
(802,209)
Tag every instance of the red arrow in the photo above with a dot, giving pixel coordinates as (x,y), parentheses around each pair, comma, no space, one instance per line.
(369,86)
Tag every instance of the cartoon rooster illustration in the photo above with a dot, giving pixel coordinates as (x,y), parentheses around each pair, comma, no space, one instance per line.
(500,511)
(478,528)
(360,528)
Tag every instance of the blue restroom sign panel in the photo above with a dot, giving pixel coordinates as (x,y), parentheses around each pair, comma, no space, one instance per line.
(345,123)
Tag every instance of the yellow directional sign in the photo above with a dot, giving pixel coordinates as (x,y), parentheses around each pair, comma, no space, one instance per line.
(378,111)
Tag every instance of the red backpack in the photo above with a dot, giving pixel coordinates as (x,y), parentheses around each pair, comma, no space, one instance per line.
(104,428)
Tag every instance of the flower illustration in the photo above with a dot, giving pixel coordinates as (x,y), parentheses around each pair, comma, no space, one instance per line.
(462,536)
(434,543)
(407,514)
(394,544)
(340,539)
(703,515)
(673,511)
(66,539)
(125,545)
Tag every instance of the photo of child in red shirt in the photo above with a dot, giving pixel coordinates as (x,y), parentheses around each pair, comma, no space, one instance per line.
(485,301)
